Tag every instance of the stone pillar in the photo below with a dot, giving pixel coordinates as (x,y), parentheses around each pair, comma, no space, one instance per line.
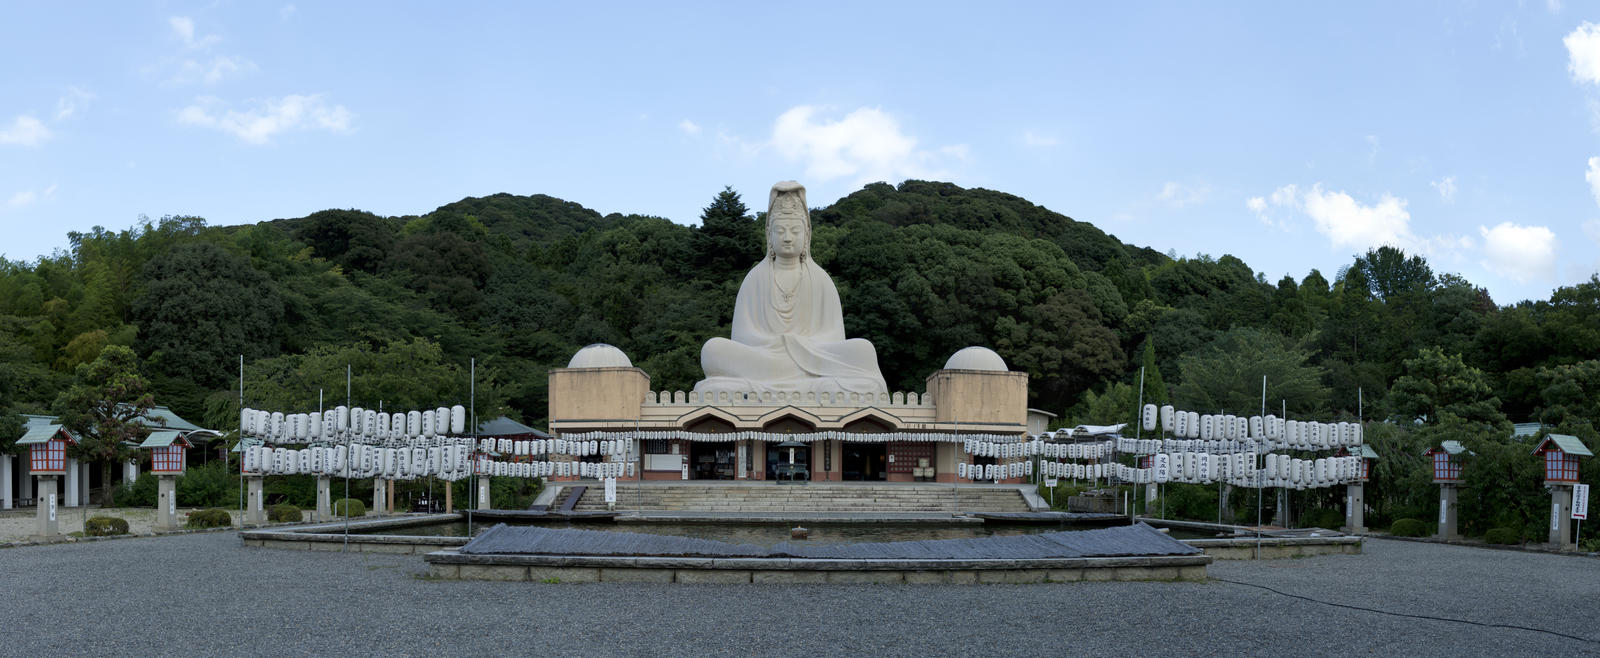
(324,498)
(1355,506)
(70,487)
(1561,517)
(130,471)
(255,508)
(83,484)
(167,502)
(47,525)
(1447,512)
(380,496)
(483,492)
(5,481)
(449,497)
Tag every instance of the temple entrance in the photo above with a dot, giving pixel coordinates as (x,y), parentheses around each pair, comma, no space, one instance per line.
(778,463)
(864,461)
(712,461)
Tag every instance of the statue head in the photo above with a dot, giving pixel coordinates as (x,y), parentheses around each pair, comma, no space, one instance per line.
(788,221)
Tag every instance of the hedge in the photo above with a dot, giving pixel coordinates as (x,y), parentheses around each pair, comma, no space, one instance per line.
(1408,528)
(284,513)
(356,507)
(209,518)
(105,526)
(1502,536)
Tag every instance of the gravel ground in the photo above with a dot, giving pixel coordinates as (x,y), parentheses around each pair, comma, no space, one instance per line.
(206,594)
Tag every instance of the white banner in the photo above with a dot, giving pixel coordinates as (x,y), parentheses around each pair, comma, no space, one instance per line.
(611,490)
(1580,502)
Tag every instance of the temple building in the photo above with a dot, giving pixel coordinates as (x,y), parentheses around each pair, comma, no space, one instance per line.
(788,396)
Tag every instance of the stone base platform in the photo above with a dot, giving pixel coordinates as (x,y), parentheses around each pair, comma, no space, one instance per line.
(452,565)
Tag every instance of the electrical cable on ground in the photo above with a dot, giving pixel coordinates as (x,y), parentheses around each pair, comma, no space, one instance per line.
(1411,616)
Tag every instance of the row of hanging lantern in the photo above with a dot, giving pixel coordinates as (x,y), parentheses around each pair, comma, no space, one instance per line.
(452,460)
(1238,469)
(536,469)
(1270,429)
(779,437)
(1035,447)
(528,448)
(994,471)
(353,424)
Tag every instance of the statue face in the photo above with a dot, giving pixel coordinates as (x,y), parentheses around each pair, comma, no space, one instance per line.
(787,236)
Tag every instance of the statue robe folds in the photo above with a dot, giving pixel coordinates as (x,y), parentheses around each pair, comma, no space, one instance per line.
(791,342)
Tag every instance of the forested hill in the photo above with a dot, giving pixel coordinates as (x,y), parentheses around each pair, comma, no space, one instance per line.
(521,282)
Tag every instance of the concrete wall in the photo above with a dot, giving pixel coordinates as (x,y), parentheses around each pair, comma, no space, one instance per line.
(980,396)
(597,394)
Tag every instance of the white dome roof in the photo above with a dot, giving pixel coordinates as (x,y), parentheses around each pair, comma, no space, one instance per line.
(976,358)
(599,355)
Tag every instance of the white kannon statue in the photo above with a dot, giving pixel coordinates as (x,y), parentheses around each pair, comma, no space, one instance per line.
(788,326)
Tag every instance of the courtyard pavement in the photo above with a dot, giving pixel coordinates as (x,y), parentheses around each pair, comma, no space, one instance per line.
(207,595)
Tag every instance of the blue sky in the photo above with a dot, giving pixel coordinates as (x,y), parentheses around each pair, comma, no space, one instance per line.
(1291,135)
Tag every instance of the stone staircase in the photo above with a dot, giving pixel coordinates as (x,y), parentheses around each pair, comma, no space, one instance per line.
(809,497)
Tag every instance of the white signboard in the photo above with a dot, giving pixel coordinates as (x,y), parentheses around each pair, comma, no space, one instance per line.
(1050,482)
(52,507)
(611,490)
(172,504)
(1580,502)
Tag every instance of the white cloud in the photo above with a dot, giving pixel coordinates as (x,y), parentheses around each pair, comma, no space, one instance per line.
(1553,5)
(1583,52)
(1446,187)
(1593,176)
(287,12)
(1591,228)
(1037,140)
(24,131)
(183,27)
(268,117)
(865,145)
(689,127)
(1520,253)
(1348,223)
(211,72)
(1178,195)
(76,98)
(27,197)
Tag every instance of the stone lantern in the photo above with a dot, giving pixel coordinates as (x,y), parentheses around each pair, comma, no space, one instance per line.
(1561,453)
(1446,473)
(1355,492)
(167,456)
(47,459)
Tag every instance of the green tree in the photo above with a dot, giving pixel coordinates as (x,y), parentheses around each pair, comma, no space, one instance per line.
(1436,383)
(104,410)
(728,239)
(1226,375)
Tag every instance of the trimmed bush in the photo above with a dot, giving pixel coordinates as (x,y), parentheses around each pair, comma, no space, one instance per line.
(105,526)
(1408,528)
(355,507)
(1330,519)
(1502,536)
(209,518)
(284,513)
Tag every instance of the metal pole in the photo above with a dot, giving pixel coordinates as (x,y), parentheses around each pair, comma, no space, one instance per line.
(240,441)
(347,462)
(1138,424)
(472,393)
